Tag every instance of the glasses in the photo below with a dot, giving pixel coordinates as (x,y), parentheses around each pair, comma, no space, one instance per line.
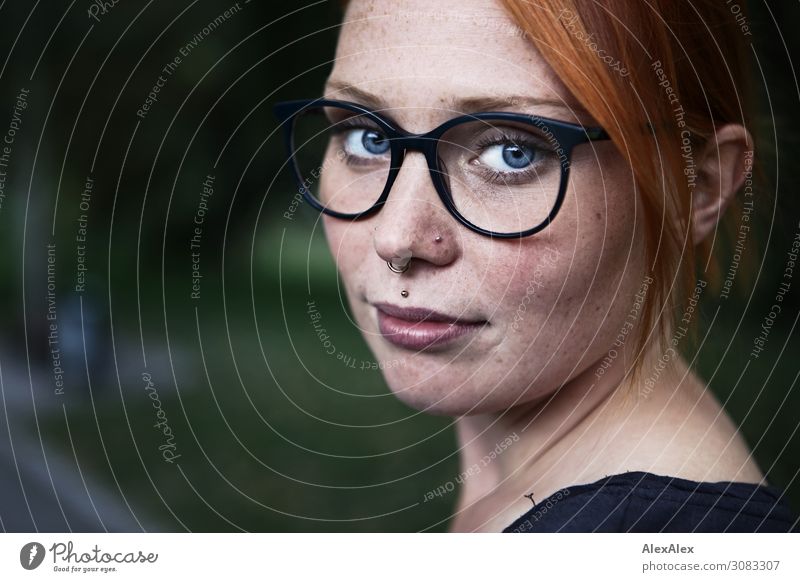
(499,174)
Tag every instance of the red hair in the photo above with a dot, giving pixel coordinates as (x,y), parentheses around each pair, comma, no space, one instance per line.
(632,65)
(683,76)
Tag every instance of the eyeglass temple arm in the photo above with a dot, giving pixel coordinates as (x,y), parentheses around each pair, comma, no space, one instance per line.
(596,133)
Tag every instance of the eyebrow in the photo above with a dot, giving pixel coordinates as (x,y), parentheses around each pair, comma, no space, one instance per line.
(463,104)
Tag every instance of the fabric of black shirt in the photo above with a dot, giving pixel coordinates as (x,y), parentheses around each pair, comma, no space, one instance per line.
(644,502)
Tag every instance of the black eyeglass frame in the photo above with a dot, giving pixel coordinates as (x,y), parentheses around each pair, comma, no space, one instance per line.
(567,136)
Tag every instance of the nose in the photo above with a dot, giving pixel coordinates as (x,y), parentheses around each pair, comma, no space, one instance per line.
(413,223)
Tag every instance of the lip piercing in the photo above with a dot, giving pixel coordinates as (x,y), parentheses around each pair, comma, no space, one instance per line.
(404,293)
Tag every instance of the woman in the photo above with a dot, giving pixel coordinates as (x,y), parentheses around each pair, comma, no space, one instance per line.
(517,196)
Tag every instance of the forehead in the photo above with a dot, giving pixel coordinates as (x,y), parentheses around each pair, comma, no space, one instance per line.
(421,53)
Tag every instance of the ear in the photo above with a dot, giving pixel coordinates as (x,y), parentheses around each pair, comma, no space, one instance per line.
(720,174)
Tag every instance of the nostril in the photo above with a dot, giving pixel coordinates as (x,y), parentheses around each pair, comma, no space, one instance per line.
(402,257)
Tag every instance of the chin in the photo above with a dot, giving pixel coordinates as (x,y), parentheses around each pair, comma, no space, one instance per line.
(440,399)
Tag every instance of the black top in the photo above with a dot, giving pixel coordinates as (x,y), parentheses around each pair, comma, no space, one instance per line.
(644,502)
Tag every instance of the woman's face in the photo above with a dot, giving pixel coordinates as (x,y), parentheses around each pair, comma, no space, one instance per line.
(549,306)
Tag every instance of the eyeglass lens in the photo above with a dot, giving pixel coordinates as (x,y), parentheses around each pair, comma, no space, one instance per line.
(502,176)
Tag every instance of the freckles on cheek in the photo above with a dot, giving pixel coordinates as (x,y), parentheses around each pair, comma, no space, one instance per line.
(530,281)
(342,240)
(351,246)
(334,236)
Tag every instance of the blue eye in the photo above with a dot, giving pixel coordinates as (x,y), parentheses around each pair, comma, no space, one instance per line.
(365,143)
(518,157)
(509,155)
(375,142)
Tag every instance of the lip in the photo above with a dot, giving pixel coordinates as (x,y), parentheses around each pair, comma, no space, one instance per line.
(418,328)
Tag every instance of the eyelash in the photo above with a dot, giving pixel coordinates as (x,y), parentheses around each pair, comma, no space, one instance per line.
(494,176)
(508,178)
(349,124)
(352,123)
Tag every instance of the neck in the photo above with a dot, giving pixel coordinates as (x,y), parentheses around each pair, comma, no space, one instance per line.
(550,443)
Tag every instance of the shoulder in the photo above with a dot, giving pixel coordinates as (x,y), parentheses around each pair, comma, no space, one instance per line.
(645,502)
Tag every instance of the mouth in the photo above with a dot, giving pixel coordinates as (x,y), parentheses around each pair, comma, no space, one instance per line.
(418,328)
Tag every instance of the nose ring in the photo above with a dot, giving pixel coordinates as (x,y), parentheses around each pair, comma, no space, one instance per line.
(396,269)
(403,259)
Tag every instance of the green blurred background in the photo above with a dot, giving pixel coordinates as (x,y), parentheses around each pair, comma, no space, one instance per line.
(273,433)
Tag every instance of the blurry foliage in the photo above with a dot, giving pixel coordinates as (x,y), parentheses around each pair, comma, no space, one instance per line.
(243,408)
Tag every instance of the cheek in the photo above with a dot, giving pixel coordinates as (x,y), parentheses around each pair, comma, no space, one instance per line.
(340,242)
(350,244)
(349,241)
(567,284)
(532,283)
(600,226)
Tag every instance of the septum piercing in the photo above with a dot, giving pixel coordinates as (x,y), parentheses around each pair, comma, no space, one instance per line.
(406,258)
(403,259)
(395,269)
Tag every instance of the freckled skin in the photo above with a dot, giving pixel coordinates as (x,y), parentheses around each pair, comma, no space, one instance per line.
(579,300)
(532,378)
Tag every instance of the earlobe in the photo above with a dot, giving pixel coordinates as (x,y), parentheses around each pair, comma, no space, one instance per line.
(721,172)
